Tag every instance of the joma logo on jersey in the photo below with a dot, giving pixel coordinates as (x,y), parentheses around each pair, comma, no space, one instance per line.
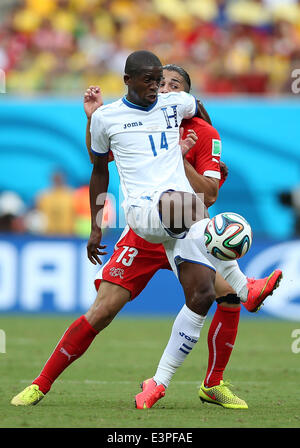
(168,117)
(132,125)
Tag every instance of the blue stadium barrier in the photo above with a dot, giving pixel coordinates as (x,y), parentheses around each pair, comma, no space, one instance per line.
(260,147)
(53,275)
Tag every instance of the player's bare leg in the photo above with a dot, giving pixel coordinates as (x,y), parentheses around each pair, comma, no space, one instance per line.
(109,301)
(222,287)
(180,210)
(198,283)
(75,341)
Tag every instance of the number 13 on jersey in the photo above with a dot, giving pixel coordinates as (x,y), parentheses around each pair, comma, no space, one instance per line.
(163,143)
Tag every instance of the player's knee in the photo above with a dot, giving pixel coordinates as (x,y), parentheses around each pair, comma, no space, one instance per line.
(201,299)
(105,311)
(100,315)
(171,210)
(105,308)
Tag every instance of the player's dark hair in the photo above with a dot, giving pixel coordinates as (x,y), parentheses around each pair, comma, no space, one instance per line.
(180,71)
(139,59)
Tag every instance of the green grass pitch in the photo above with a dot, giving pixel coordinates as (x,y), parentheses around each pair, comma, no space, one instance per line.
(98,390)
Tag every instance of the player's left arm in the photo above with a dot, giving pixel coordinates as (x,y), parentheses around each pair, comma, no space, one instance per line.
(209,186)
(204,174)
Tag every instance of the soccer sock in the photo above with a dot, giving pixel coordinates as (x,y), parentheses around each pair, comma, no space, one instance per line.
(72,345)
(229,270)
(185,334)
(221,338)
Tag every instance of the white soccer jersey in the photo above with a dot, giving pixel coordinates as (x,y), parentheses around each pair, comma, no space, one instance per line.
(144,142)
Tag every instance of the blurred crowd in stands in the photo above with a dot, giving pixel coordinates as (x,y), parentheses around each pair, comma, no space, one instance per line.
(53,213)
(60,210)
(227,46)
(61,46)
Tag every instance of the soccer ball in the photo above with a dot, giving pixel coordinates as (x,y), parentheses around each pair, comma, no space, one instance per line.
(228,236)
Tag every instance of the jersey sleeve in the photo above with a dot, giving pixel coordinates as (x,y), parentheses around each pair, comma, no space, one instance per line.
(205,155)
(188,107)
(99,137)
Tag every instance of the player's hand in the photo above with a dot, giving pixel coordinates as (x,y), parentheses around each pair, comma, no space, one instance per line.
(188,142)
(92,100)
(224,170)
(94,248)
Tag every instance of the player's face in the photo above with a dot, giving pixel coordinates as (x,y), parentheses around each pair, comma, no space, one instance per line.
(143,88)
(172,82)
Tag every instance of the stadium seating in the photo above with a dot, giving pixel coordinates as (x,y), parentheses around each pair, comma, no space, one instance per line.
(229,47)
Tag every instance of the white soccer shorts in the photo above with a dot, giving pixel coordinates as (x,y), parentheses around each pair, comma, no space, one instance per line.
(143,217)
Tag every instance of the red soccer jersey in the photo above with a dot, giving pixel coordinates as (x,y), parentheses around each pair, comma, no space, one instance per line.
(206,153)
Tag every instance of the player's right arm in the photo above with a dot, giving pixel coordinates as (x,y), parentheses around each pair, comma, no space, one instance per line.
(98,184)
(98,189)
(91,102)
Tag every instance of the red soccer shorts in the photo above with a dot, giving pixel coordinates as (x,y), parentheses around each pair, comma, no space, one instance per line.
(133,263)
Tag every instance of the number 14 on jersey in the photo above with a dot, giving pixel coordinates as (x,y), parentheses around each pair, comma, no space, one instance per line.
(163,143)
